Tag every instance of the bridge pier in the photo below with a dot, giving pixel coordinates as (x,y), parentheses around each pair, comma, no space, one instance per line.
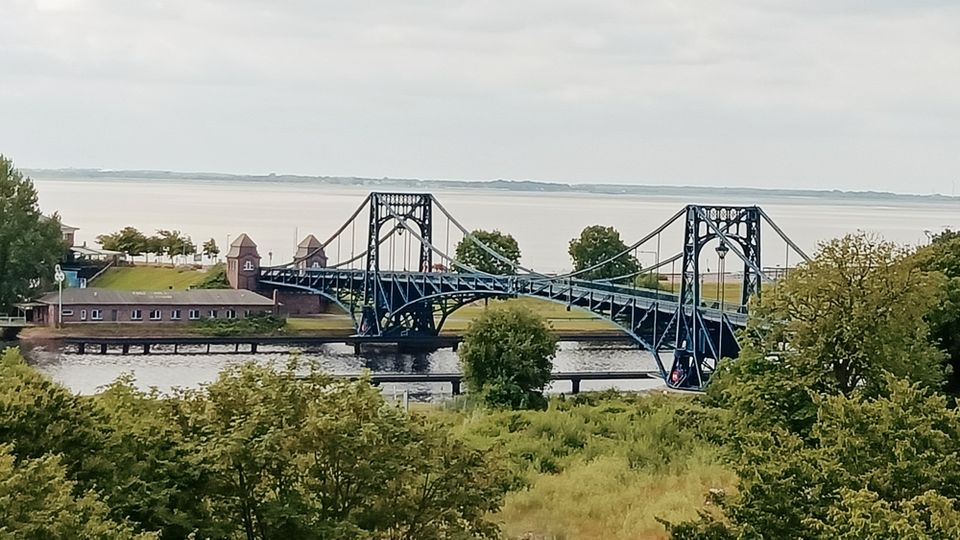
(146,348)
(574,385)
(81,348)
(103,348)
(253,348)
(125,349)
(456,387)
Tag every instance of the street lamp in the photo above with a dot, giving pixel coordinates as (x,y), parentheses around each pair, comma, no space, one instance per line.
(722,251)
(59,276)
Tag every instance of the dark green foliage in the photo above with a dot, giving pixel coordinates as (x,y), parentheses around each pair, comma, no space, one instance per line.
(30,244)
(595,245)
(216,278)
(507,356)
(40,417)
(261,325)
(943,256)
(37,500)
(173,243)
(474,256)
(210,249)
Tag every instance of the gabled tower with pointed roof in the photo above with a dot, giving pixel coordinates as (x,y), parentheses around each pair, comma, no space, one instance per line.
(243,264)
(310,254)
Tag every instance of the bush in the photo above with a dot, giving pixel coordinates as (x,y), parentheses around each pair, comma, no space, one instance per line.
(507,356)
(251,326)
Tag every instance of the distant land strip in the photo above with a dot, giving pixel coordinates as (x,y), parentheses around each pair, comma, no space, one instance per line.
(499,185)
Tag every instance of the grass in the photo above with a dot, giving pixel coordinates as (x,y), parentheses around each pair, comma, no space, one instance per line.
(599,466)
(150,278)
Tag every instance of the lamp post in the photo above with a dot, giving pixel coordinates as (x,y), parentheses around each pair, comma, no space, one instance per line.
(722,251)
(59,276)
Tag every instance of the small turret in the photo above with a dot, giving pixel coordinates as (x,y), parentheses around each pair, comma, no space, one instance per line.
(310,254)
(243,264)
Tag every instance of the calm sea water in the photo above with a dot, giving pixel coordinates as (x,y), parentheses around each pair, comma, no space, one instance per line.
(277,215)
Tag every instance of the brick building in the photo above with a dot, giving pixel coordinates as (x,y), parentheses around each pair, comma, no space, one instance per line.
(243,272)
(93,305)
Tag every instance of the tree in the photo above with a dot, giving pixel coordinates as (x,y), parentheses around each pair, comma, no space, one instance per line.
(833,326)
(507,356)
(597,244)
(37,500)
(174,243)
(128,240)
(471,254)
(873,468)
(210,249)
(155,246)
(41,417)
(305,456)
(159,478)
(943,256)
(30,244)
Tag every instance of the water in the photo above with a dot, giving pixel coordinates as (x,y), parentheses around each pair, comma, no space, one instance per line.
(278,215)
(87,373)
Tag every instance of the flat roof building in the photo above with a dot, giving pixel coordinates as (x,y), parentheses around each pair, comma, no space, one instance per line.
(93,305)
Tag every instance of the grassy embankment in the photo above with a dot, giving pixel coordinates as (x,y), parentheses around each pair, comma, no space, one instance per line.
(599,467)
(150,278)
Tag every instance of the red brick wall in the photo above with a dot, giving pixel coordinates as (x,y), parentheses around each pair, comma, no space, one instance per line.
(296,303)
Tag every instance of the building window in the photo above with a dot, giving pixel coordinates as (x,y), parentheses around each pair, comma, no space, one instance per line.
(194,314)
(212,314)
(231,314)
(136,315)
(175,315)
(248,266)
(155,315)
(96,314)
(246,313)
(67,312)
(83,314)
(316,264)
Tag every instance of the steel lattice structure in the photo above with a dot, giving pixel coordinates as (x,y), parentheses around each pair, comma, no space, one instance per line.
(418,301)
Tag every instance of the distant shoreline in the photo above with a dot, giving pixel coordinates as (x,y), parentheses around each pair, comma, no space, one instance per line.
(521,186)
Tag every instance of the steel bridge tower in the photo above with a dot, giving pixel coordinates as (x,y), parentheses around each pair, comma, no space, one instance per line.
(416,209)
(700,344)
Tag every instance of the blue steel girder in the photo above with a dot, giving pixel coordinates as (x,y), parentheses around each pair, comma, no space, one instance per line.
(411,297)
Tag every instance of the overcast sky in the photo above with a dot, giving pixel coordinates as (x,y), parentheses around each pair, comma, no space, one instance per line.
(846,94)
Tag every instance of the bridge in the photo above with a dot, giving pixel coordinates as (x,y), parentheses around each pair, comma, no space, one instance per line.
(403,293)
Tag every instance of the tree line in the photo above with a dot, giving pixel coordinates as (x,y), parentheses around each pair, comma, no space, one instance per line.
(590,253)
(169,243)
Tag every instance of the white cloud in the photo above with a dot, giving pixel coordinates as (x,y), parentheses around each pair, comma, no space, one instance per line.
(826,93)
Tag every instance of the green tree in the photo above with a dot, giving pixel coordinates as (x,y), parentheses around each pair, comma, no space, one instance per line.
(159,478)
(507,356)
(597,244)
(128,240)
(41,417)
(471,254)
(174,243)
(304,456)
(155,246)
(943,256)
(37,500)
(210,249)
(873,468)
(30,244)
(833,326)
